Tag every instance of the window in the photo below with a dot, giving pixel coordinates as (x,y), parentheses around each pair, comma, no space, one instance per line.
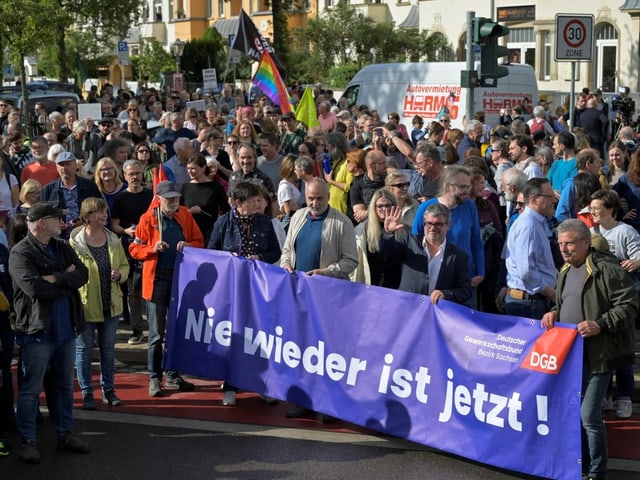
(547,56)
(221,8)
(522,46)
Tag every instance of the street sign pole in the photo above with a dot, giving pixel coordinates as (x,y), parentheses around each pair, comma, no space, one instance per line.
(574,42)
(470,64)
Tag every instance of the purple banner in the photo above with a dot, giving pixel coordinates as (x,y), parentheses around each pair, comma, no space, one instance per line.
(492,388)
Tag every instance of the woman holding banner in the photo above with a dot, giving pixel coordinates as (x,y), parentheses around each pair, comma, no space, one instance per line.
(245,232)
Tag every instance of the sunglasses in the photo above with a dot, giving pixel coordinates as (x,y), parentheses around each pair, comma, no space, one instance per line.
(231,142)
(401,185)
(143,150)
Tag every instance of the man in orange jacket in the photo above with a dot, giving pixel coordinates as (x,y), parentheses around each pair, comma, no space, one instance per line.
(161,232)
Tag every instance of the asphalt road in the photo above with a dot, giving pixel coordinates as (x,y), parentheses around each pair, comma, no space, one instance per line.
(146,447)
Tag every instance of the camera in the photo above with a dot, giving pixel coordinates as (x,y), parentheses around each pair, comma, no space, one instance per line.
(625,107)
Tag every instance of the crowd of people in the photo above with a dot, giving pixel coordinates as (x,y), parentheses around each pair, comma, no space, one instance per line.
(499,218)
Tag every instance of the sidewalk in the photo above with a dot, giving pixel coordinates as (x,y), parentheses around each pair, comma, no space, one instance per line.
(135,358)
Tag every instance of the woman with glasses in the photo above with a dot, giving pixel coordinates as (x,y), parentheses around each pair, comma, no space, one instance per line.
(233,142)
(109,182)
(398,185)
(191,118)
(374,266)
(143,153)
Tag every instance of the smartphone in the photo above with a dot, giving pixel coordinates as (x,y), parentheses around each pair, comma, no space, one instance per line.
(379,132)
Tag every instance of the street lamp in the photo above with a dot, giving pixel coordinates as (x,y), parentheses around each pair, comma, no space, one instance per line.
(177,48)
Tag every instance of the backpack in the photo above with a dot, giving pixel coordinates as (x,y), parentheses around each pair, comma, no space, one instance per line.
(536,125)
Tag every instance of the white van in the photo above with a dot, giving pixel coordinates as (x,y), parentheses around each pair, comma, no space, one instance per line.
(425,88)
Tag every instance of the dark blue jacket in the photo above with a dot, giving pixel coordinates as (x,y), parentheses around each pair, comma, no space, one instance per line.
(454,278)
(226,236)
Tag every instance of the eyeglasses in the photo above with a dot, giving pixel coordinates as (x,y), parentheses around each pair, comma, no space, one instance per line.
(384,206)
(143,150)
(232,142)
(437,225)
(462,187)
(401,185)
(445,121)
(107,169)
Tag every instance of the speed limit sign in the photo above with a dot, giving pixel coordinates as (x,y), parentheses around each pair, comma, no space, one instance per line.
(574,37)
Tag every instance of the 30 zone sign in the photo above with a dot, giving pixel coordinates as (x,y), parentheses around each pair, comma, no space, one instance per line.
(574,37)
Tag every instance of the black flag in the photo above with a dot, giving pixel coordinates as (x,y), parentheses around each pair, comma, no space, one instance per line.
(252,43)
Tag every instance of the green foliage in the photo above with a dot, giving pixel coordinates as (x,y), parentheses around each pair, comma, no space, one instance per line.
(201,54)
(339,76)
(152,61)
(332,47)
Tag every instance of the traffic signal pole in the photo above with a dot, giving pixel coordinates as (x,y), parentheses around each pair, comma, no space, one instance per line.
(470,65)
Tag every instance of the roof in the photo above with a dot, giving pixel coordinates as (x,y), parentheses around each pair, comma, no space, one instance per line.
(630,5)
(227,26)
(413,18)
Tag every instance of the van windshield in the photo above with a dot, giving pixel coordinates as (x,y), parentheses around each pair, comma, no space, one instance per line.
(351,94)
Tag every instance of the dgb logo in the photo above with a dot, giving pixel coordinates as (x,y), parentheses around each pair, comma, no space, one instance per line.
(550,350)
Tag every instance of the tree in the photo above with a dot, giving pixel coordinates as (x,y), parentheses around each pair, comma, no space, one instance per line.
(101,20)
(153,60)
(31,24)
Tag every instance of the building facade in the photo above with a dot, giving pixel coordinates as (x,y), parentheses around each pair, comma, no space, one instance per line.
(532,38)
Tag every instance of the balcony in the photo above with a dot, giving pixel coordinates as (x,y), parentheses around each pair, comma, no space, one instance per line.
(157,30)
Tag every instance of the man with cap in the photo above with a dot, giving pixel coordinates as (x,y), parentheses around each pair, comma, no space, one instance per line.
(46,275)
(68,191)
(104,132)
(161,233)
(292,137)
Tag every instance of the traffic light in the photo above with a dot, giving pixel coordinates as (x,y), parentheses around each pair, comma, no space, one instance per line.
(486,34)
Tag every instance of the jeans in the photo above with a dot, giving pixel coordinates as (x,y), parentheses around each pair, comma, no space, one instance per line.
(532,308)
(625,382)
(106,345)
(594,433)
(36,357)
(157,309)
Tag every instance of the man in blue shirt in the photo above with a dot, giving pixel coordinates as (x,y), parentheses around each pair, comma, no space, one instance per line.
(531,273)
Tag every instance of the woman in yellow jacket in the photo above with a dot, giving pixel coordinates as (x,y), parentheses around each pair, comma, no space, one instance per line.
(101,251)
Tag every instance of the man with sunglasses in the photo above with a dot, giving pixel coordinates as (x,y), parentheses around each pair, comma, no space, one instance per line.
(531,272)
(431,265)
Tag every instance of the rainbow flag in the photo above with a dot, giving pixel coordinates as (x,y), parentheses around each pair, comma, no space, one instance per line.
(268,79)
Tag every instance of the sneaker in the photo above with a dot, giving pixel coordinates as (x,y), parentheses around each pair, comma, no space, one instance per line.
(135,338)
(88,402)
(29,453)
(72,443)
(179,383)
(624,409)
(155,388)
(229,399)
(110,398)
(4,450)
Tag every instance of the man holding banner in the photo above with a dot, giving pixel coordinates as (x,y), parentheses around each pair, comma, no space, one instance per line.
(597,294)
(161,233)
